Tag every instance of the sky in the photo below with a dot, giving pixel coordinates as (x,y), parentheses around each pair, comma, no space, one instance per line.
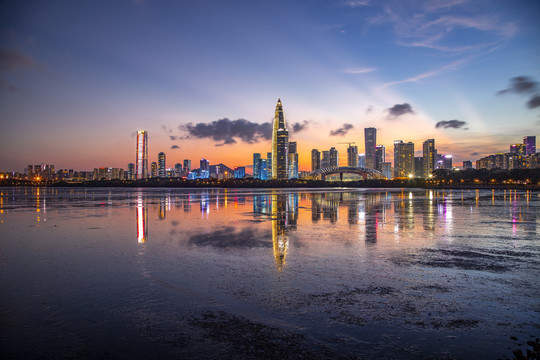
(79,78)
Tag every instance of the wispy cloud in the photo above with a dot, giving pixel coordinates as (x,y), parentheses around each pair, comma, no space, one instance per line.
(356,3)
(12,60)
(451,124)
(452,66)
(358,70)
(434,25)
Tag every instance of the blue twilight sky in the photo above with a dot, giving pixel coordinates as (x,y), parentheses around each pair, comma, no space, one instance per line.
(79,78)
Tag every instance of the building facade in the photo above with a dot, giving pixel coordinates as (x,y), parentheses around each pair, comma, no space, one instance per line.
(334,157)
(403,159)
(352,156)
(280,144)
(315,159)
(141,162)
(530,145)
(428,148)
(162,170)
(370,141)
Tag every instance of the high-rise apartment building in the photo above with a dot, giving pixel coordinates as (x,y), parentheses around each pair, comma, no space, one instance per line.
(280,144)
(370,140)
(418,166)
(530,145)
(204,170)
(467,164)
(352,156)
(256,158)
(187,167)
(380,156)
(177,170)
(293,161)
(517,149)
(153,169)
(162,170)
(334,157)
(141,162)
(131,171)
(403,158)
(362,160)
(447,162)
(429,157)
(315,159)
(325,160)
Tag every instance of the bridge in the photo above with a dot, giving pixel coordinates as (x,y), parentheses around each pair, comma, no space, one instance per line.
(365,173)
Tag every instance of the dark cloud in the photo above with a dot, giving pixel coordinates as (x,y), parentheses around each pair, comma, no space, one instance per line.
(12,60)
(399,109)
(451,124)
(173,137)
(534,102)
(475,154)
(520,85)
(226,130)
(342,130)
(228,238)
(175,147)
(297,127)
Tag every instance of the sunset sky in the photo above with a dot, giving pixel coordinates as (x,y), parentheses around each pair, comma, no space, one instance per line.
(79,78)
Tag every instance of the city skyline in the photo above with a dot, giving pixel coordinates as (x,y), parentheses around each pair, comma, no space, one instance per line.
(463,73)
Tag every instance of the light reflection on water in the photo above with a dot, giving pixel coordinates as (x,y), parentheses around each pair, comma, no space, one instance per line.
(364,272)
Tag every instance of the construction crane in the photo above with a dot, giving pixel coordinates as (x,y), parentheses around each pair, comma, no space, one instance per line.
(347,142)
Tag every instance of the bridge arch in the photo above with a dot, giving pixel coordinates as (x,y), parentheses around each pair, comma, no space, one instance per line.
(321,174)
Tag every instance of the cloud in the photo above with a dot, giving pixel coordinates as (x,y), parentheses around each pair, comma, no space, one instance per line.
(451,124)
(369,109)
(452,66)
(175,147)
(520,85)
(398,110)
(227,130)
(475,153)
(534,102)
(358,70)
(342,130)
(356,3)
(436,26)
(297,127)
(12,60)
(523,85)
(173,137)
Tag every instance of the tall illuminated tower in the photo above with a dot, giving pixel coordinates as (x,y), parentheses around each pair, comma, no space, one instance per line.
(142,155)
(280,145)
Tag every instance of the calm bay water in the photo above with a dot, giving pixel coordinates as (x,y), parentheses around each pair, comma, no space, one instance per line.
(216,273)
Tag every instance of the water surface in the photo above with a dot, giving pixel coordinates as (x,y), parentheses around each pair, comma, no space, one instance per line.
(216,273)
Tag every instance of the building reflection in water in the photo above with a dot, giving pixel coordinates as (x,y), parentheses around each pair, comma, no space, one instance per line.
(374,213)
(142,219)
(284,219)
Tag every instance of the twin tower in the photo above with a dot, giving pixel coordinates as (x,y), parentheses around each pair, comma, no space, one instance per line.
(280,145)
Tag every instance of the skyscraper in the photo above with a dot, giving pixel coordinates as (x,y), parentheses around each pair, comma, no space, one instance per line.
(142,155)
(204,171)
(530,145)
(518,149)
(352,156)
(153,169)
(403,158)
(187,167)
(380,156)
(293,161)
(256,164)
(315,159)
(334,157)
(177,170)
(280,144)
(161,165)
(370,138)
(429,157)
(325,160)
